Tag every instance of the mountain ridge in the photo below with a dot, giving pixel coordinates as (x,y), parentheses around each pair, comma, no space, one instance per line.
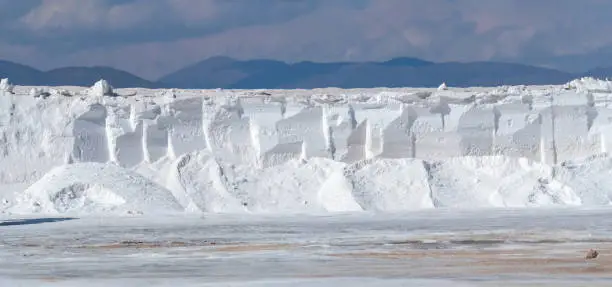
(228,73)
(71,76)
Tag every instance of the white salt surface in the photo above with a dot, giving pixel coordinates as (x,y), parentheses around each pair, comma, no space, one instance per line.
(94,187)
(327,187)
(74,150)
(542,247)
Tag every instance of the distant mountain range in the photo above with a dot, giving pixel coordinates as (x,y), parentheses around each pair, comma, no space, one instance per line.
(70,76)
(228,73)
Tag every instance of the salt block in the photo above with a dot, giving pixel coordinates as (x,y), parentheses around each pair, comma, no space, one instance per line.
(431,140)
(572,98)
(186,130)
(565,133)
(379,116)
(524,142)
(306,126)
(229,134)
(451,115)
(90,137)
(340,122)
(511,118)
(398,140)
(283,153)
(518,131)
(144,111)
(601,128)
(426,120)
(155,140)
(129,147)
(478,119)
(476,128)
(264,117)
(438,145)
(357,144)
(126,136)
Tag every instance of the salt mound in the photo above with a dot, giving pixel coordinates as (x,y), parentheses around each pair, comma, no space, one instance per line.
(498,181)
(95,188)
(200,184)
(589,84)
(319,185)
(101,88)
(443,87)
(468,182)
(296,186)
(590,178)
(391,184)
(6,86)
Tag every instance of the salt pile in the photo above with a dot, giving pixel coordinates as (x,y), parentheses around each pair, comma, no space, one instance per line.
(6,86)
(95,187)
(303,151)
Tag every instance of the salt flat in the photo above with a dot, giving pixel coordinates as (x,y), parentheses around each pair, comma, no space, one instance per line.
(543,247)
(482,186)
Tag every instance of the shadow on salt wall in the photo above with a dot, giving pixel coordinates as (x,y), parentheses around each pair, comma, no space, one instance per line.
(33,221)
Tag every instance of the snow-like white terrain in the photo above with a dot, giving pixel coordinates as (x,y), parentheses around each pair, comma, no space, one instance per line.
(305,187)
(137,151)
(526,247)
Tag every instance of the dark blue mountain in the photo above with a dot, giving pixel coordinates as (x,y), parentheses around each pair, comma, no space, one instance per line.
(228,73)
(223,72)
(71,76)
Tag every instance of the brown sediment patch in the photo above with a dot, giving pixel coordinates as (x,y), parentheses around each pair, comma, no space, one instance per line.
(252,247)
(146,245)
(50,280)
(563,264)
(32,245)
(420,254)
(569,260)
(209,246)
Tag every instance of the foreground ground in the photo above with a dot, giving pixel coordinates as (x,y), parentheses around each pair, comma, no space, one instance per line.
(433,248)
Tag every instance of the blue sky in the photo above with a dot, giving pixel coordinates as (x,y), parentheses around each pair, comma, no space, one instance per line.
(153,37)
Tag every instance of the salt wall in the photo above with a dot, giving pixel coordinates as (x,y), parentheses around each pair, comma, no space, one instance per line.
(38,132)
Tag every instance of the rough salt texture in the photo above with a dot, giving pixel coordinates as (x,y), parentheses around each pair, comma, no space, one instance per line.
(315,150)
(94,187)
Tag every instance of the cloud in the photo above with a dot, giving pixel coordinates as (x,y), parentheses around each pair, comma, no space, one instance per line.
(151,38)
(93,23)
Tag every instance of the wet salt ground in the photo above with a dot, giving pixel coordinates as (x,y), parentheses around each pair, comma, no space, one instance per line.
(537,247)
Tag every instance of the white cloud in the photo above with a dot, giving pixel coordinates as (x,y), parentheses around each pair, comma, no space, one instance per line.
(79,15)
(64,14)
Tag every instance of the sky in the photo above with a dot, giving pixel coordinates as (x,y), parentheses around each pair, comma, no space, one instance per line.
(151,38)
